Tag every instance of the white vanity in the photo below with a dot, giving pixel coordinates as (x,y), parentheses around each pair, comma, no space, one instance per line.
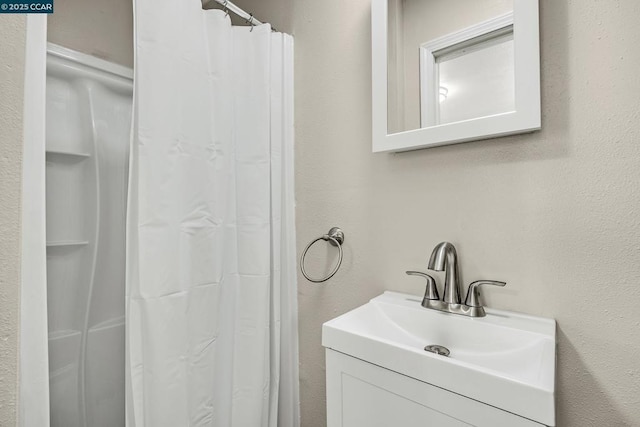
(500,371)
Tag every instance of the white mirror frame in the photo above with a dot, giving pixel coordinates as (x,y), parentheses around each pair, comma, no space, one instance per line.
(525,118)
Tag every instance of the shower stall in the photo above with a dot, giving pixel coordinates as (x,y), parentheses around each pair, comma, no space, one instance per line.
(88,120)
(159,262)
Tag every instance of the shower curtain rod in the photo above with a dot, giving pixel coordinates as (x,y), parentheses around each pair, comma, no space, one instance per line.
(240,12)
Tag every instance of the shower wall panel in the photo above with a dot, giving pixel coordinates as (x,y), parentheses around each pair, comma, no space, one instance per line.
(88,124)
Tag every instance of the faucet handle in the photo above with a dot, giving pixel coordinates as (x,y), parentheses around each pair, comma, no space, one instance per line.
(431,293)
(473,299)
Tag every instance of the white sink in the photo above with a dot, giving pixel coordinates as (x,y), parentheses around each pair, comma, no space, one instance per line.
(505,359)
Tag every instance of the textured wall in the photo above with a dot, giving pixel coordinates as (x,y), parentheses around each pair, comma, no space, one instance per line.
(12,45)
(554,213)
(99,28)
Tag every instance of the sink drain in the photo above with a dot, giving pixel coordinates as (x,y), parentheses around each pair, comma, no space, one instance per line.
(438,349)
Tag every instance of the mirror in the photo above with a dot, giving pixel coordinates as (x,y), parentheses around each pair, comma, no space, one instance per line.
(451,71)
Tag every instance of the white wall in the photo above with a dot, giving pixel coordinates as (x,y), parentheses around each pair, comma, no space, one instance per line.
(556,213)
(12,53)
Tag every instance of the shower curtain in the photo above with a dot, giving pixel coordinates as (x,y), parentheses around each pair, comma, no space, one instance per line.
(211,280)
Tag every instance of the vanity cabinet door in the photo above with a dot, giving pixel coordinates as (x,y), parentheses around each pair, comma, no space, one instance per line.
(360,394)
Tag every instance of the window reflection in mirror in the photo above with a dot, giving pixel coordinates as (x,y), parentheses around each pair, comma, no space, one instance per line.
(448,61)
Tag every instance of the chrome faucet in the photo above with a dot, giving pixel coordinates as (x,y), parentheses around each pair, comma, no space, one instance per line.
(445,258)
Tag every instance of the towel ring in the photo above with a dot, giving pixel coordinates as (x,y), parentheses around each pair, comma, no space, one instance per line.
(335,236)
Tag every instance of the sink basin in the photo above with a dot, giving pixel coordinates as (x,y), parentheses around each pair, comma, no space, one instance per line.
(505,359)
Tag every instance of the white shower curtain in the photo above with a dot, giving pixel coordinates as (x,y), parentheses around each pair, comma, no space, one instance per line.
(211,281)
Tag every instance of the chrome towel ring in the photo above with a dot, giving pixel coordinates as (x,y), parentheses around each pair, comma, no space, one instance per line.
(335,236)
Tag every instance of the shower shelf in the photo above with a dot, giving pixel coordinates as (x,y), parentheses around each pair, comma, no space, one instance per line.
(108,324)
(62,334)
(66,155)
(67,244)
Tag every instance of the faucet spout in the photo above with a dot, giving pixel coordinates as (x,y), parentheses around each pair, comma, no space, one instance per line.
(445,258)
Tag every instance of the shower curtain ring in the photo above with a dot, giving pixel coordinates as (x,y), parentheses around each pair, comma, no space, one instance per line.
(226,9)
(250,21)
